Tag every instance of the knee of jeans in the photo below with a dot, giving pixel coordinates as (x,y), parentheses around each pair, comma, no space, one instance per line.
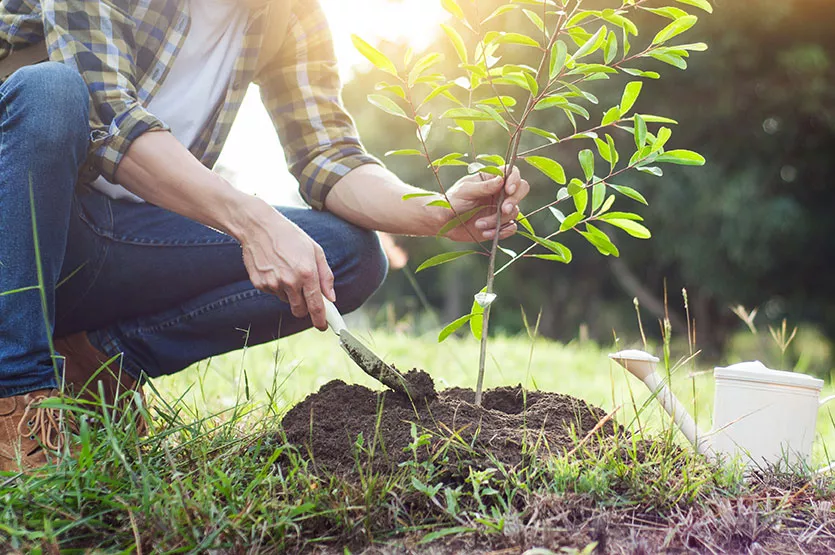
(368,268)
(55,105)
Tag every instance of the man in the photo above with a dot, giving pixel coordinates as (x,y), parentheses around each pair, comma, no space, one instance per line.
(147,260)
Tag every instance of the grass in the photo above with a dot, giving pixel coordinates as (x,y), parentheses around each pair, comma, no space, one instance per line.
(216,476)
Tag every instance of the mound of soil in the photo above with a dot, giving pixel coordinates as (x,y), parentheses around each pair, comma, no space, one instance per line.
(511,422)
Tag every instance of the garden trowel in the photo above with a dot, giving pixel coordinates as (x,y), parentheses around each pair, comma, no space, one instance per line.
(365,358)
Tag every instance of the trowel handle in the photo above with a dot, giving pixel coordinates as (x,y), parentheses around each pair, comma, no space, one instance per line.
(335,320)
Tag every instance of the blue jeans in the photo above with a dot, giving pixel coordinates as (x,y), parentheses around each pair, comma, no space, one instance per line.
(145,283)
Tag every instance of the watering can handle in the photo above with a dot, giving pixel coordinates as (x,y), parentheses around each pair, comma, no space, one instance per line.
(827,400)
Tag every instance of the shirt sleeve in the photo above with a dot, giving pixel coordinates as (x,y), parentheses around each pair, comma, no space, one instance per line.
(301,90)
(97,39)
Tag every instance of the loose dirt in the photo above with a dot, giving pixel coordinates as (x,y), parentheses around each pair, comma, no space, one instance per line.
(511,424)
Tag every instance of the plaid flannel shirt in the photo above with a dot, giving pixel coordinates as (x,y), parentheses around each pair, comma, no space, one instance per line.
(125,48)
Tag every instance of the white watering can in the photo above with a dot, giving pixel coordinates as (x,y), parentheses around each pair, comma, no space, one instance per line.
(759,415)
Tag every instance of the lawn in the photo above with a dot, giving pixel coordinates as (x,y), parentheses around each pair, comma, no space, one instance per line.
(216,476)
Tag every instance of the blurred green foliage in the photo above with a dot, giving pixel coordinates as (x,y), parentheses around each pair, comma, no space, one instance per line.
(752,227)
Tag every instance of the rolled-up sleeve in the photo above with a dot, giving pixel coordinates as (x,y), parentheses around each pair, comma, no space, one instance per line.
(97,39)
(301,90)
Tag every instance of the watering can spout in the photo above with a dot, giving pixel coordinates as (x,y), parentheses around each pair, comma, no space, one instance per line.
(643,365)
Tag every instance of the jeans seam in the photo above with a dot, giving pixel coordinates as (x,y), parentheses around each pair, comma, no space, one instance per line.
(219,303)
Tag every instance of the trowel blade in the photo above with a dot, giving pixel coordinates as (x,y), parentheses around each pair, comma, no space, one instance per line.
(370,363)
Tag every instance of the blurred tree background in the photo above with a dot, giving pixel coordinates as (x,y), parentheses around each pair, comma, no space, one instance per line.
(752,227)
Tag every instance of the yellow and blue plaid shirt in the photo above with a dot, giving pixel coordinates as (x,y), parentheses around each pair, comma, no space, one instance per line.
(125,48)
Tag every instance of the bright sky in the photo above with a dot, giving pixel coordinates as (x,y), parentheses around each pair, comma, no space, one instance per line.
(253,151)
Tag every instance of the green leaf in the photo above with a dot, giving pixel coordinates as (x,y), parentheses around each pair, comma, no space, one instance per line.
(404,152)
(499,11)
(533,86)
(525,223)
(664,135)
(675,28)
(586,158)
(387,105)
(611,116)
(457,42)
(394,89)
(668,12)
(453,327)
(558,58)
(552,137)
(436,92)
(611,48)
(612,151)
(603,149)
(607,205)
(649,118)
(681,157)
(622,216)
(557,248)
(581,200)
(590,45)
(443,258)
(470,114)
(641,73)
(499,101)
(452,7)
(549,167)
(516,38)
(575,186)
(451,159)
(494,159)
(495,116)
(631,227)
(630,95)
(640,131)
(652,170)
(571,221)
(442,203)
(417,195)
(477,319)
(422,65)
(374,56)
(600,240)
(629,192)
(598,195)
(460,220)
(703,4)
(535,19)
(553,257)
(671,59)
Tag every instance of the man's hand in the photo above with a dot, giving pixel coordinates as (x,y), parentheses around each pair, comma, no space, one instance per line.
(482,189)
(284,261)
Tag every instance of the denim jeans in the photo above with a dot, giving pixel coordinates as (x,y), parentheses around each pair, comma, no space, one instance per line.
(157,288)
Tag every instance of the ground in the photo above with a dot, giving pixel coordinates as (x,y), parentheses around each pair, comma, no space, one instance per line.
(218,475)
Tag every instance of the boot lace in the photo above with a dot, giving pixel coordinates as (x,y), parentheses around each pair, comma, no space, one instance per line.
(46,424)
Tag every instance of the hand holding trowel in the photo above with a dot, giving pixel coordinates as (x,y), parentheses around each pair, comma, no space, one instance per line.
(370,363)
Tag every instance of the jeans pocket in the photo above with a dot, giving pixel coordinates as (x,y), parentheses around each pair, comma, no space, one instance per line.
(95,210)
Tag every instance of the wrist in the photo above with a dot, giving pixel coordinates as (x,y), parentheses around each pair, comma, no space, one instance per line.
(433,217)
(243,213)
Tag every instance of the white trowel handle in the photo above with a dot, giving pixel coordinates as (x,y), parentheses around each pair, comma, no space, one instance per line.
(335,321)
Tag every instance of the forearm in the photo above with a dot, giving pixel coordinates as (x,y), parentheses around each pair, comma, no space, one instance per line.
(162,171)
(371,196)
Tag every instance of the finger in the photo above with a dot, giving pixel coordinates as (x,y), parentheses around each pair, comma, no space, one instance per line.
(475,189)
(297,305)
(315,305)
(326,279)
(505,232)
(508,231)
(513,179)
(511,203)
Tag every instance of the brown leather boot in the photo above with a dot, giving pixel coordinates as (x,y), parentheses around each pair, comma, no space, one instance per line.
(31,435)
(85,367)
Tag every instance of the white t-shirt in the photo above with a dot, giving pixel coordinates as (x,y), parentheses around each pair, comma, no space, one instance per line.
(199,77)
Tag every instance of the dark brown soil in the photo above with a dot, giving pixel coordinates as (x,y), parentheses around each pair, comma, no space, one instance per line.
(511,424)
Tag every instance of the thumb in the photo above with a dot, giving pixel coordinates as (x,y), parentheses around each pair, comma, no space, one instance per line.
(481,188)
